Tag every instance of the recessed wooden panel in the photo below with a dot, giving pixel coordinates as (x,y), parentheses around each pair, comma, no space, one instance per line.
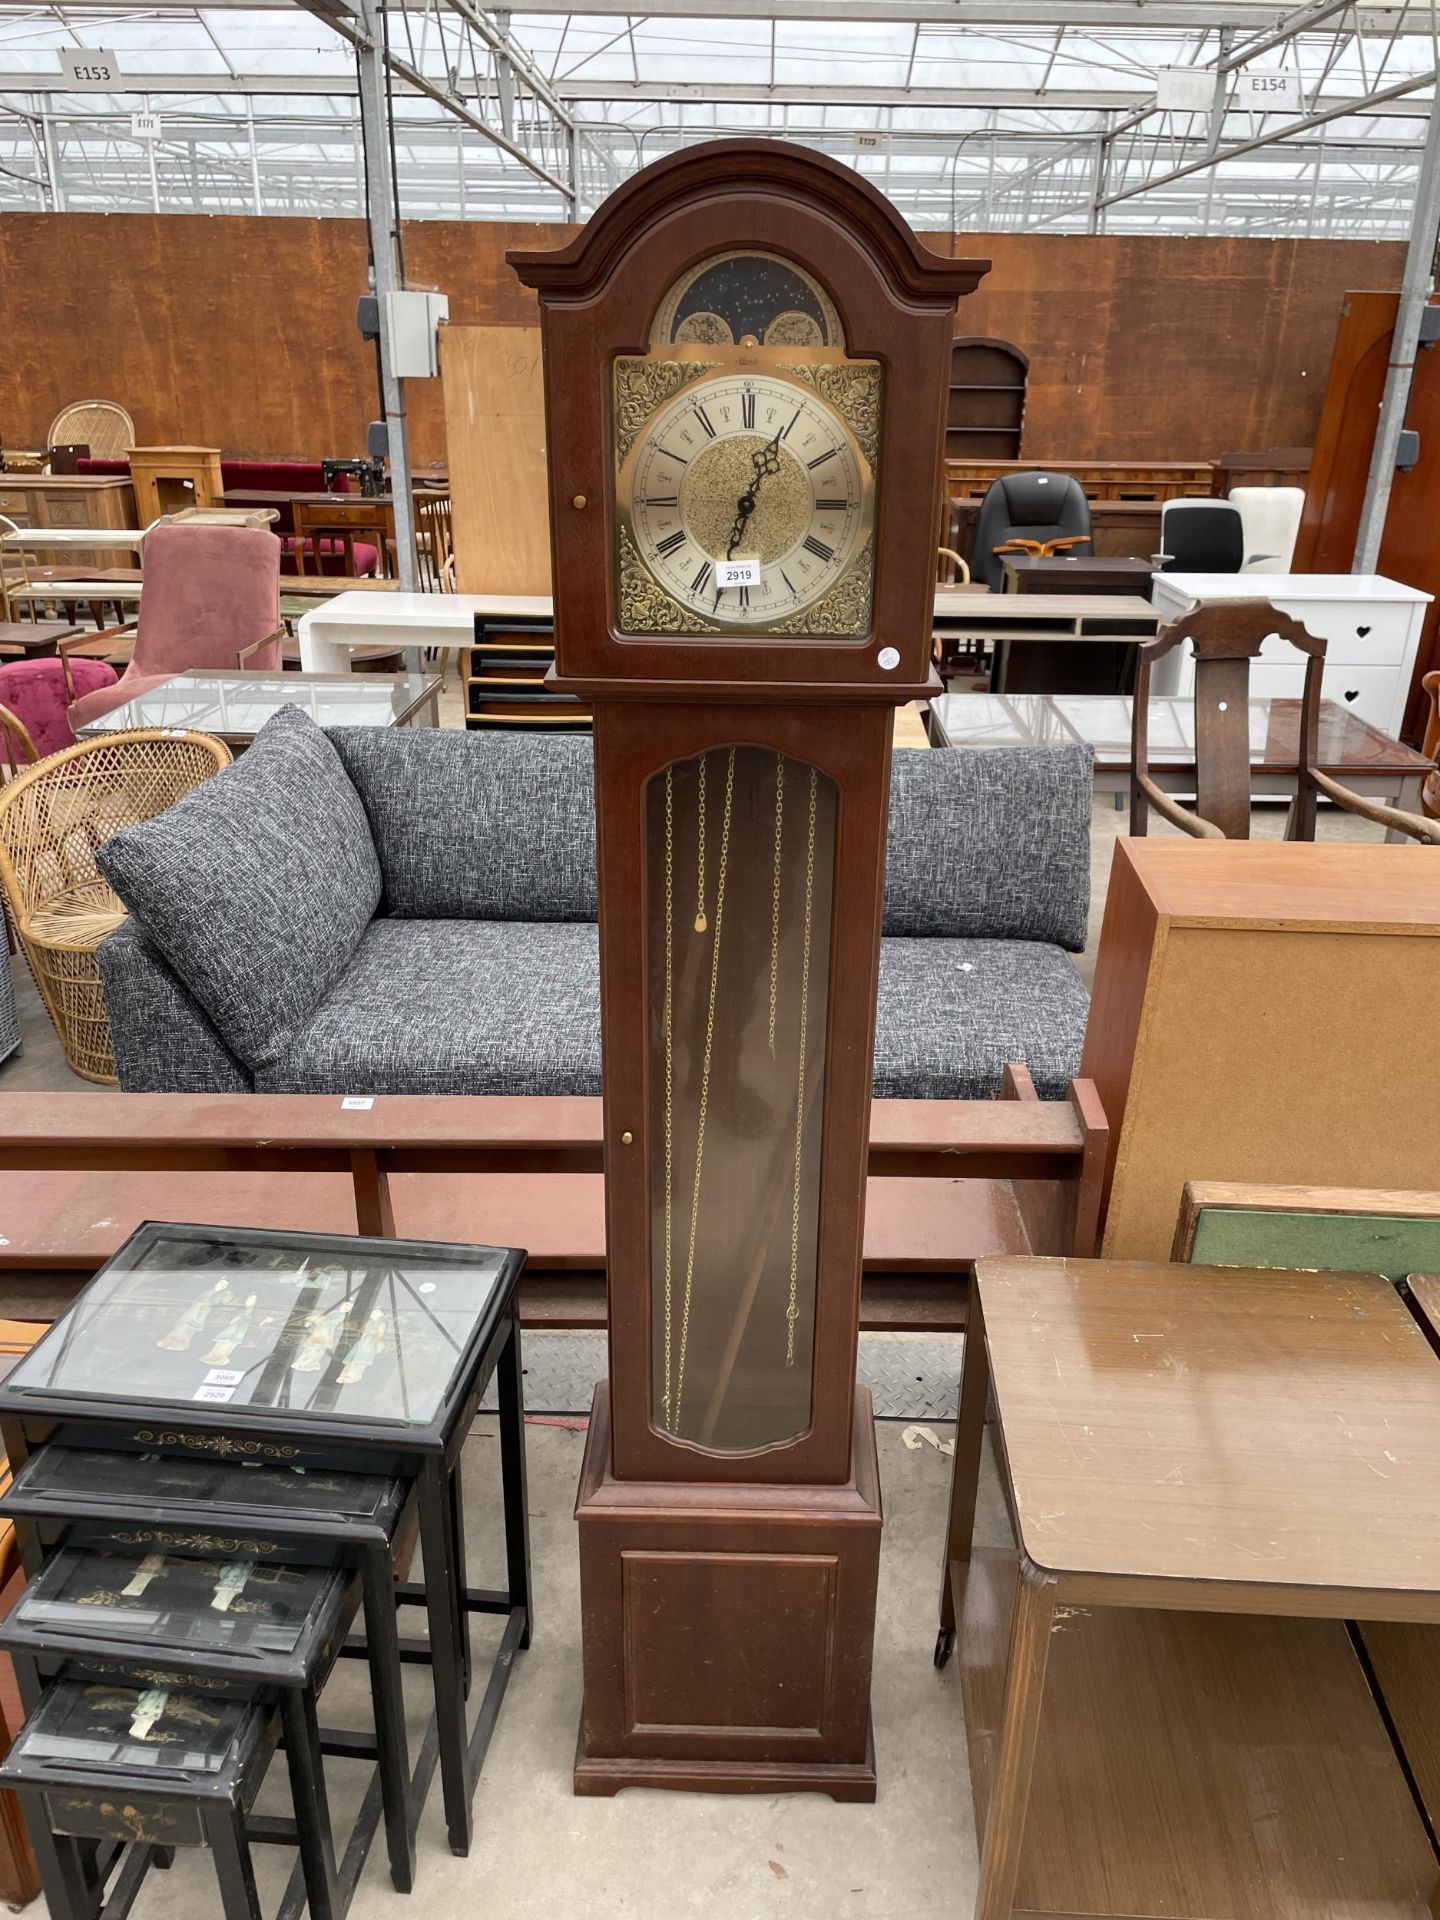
(680,1606)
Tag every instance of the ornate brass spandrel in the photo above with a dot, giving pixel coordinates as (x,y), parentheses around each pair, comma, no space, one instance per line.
(845,609)
(643,385)
(854,388)
(644,606)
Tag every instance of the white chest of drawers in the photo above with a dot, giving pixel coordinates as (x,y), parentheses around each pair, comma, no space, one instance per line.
(1371,626)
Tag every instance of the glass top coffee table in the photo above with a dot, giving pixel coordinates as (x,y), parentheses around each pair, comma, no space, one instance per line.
(234,706)
(1350,749)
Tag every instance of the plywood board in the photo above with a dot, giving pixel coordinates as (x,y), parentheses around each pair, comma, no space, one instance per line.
(495,435)
(1270,1054)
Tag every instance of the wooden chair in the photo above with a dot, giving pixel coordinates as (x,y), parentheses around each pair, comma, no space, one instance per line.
(1430,792)
(1227,636)
(102,425)
(53,816)
(434,541)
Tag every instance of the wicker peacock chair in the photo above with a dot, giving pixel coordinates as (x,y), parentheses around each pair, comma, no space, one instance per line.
(52,818)
(102,425)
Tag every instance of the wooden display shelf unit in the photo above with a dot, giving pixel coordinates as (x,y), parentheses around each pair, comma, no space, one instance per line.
(168,479)
(971,479)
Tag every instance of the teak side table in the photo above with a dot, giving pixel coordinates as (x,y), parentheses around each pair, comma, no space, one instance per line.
(1204,1472)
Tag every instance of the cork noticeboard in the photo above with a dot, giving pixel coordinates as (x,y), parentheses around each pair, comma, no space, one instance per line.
(1274,1053)
(495,443)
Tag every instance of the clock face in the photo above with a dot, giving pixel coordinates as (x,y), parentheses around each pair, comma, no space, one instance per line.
(753,470)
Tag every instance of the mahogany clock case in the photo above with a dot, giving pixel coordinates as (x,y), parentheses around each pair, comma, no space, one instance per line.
(730,1517)
(599,298)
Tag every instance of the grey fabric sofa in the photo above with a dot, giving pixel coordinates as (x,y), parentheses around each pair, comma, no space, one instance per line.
(413,911)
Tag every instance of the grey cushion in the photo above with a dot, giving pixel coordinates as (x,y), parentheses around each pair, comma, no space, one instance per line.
(991,843)
(257,885)
(454,1006)
(478,826)
(163,1042)
(953,1014)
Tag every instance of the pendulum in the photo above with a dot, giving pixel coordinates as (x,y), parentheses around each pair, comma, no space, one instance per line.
(365,1350)
(705,1064)
(183,1333)
(144,1574)
(234,1334)
(230,1583)
(792,1309)
(148,1709)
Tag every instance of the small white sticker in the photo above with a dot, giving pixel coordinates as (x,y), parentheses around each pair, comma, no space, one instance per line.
(218,1394)
(357,1103)
(223,1377)
(427,1286)
(889,658)
(744,572)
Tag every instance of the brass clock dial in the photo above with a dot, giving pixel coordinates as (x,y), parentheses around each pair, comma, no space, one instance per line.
(747,467)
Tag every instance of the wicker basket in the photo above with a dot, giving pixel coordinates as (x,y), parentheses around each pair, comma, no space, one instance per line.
(52,818)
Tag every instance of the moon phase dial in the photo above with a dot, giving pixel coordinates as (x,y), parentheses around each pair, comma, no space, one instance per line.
(756,469)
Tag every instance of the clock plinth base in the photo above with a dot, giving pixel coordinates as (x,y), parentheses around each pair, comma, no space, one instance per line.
(728,1628)
(598,1779)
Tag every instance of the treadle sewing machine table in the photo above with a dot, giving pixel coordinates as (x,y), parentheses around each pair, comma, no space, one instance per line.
(398,1398)
(1193,1479)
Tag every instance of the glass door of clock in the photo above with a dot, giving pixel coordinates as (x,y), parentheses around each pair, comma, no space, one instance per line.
(740,861)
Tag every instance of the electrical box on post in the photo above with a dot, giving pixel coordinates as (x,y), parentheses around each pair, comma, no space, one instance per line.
(411,319)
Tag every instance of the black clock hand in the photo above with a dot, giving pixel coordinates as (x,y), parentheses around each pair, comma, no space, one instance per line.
(765,460)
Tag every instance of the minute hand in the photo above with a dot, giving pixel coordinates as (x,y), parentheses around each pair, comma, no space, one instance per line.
(765,460)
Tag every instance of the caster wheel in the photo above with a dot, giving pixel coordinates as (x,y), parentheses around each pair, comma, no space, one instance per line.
(944,1645)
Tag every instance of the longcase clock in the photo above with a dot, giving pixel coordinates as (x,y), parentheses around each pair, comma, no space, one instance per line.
(746,354)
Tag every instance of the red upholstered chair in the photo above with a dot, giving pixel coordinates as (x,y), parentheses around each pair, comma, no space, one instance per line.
(209,597)
(109,469)
(40,692)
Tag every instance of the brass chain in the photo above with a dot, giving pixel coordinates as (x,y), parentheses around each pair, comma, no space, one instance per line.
(669,1064)
(705,1083)
(775,893)
(700,921)
(792,1310)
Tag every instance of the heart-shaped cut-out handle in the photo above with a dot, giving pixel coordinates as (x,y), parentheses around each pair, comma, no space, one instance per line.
(1353,694)
(1362,631)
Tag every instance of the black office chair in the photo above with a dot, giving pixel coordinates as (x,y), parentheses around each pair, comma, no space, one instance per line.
(1029,513)
(1201,536)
